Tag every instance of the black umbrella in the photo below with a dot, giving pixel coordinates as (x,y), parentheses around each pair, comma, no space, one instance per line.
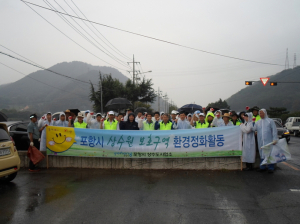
(3,117)
(140,109)
(118,104)
(190,108)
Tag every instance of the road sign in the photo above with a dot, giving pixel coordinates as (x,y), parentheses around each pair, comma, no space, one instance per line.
(264,81)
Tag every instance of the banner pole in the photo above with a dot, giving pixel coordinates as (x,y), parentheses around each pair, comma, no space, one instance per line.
(241,163)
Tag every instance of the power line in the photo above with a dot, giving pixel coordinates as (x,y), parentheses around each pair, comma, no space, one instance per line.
(41,81)
(90,41)
(71,38)
(153,38)
(44,68)
(101,34)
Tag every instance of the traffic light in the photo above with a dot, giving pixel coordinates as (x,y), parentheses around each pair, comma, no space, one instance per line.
(248,83)
(273,83)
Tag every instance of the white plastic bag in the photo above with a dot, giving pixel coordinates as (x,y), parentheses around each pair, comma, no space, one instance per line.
(276,153)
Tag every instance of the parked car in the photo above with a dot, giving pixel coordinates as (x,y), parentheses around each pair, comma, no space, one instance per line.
(277,119)
(282,132)
(293,125)
(18,131)
(9,157)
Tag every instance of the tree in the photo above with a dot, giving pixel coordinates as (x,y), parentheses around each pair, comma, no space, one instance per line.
(277,112)
(219,104)
(113,88)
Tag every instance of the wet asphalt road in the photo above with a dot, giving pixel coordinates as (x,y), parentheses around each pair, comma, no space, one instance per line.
(114,196)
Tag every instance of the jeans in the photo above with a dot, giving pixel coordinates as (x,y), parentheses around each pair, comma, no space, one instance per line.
(269,166)
(37,145)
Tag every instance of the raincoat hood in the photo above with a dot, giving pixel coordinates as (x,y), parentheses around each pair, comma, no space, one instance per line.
(240,116)
(250,116)
(265,112)
(131,114)
(221,114)
(210,114)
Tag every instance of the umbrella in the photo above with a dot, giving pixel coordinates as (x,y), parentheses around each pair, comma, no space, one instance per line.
(190,108)
(118,104)
(74,111)
(140,109)
(3,117)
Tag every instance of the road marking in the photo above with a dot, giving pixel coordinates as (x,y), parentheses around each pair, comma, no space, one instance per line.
(289,165)
(295,190)
(234,213)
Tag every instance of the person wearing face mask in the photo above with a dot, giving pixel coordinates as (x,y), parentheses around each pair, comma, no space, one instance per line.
(249,151)
(266,133)
(218,120)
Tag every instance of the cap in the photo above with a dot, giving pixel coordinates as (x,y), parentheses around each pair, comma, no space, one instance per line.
(173,112)
(87,111)
(67,111)
(111,112)
(202,114)
(189,115)
(197,112)
(32,116)
(80,115)
(98,114)
(49,113)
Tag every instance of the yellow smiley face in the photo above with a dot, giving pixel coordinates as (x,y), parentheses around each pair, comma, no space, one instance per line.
(59,139)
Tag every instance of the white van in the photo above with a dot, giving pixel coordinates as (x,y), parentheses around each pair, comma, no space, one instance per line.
(293,125)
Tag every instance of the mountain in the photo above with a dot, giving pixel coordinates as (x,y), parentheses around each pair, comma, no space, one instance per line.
(44,91)
(283,95)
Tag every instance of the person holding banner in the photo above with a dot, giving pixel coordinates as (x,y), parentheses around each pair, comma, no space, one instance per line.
(47,122)
(94,123)
(110,123)
(148,124)
(249,149)
(62,120)
(266,133)
(166,124)
(199,123)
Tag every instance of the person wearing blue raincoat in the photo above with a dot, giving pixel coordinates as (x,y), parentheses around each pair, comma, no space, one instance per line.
(62,121)
(47,122)
(266,133)
(94,123)
(249,148)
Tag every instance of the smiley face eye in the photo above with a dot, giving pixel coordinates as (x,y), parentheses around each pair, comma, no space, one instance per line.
(56,135)
(60,134)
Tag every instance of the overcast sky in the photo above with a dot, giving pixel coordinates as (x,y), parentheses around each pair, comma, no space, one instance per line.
(255,30)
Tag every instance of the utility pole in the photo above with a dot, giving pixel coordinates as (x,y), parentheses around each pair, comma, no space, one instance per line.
(295,59)
(158,98)
(101,93)
(134,73)
(287,59)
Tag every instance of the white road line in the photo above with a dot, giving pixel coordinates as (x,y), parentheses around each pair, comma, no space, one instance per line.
(234,213)
(296,190)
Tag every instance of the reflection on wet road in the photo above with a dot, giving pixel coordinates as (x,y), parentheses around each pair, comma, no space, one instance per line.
(126,196)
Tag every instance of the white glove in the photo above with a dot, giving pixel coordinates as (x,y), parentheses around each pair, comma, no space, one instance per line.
(31,144)
(39,139)
(275,142)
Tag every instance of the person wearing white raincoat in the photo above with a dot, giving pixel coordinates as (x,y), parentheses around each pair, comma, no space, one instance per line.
(182,122)
(218,120)
(62,121)
(47,122)
(266,133)
(249,148)
(94,123)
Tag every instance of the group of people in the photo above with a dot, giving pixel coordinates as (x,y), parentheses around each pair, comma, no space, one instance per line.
(258,130)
